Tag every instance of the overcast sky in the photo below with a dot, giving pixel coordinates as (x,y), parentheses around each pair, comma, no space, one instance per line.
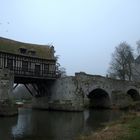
(84,32)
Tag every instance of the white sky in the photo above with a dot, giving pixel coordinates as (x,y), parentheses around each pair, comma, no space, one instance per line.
(84,32)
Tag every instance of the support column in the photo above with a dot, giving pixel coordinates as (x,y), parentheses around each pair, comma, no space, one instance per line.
(7,105)
(41,99)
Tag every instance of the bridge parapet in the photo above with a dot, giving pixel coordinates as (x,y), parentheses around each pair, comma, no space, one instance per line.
(104,82)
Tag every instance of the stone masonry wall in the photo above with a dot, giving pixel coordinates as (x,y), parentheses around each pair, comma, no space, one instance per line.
(71,93)
(65,95)
(7,107)
(6,84)
(116,89)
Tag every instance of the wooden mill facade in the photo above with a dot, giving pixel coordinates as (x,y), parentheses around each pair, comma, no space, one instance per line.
(30,63)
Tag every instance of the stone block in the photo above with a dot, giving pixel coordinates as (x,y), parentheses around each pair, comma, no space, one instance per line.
(8,108)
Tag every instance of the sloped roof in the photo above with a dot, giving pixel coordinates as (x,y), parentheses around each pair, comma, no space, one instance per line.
(12,46)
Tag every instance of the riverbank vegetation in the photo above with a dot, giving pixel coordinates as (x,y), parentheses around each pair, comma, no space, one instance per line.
(127,128)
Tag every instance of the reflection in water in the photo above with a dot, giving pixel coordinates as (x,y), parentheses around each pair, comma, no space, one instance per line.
(6,125)
(57,125)
(45,125)
(97,118)
(23,126)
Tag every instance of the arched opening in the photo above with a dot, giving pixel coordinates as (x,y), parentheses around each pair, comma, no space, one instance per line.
(134,94)
(99,98)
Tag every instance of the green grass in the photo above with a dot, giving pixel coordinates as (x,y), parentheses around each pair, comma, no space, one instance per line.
(133,128)
(127,128)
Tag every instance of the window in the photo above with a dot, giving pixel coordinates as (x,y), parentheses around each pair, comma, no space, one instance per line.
(46,68)
(37,70)
(25,66)
(10,63)
(32,52)
(23,50)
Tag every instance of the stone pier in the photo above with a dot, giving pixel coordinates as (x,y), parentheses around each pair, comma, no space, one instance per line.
(7,106)
(63,95)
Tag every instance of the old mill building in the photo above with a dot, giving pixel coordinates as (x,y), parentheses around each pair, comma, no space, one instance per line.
(27,61)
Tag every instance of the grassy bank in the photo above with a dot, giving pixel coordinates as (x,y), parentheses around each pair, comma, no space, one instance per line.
(127,128)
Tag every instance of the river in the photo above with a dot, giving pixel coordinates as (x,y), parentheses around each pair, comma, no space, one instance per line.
(54,125)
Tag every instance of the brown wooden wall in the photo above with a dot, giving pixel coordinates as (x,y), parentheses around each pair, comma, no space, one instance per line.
(28,66)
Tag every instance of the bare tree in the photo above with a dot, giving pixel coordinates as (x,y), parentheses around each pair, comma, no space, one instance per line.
(60,71)
(138,47)
(121,63)
(136,65)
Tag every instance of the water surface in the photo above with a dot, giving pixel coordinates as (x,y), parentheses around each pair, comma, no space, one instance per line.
(53,125)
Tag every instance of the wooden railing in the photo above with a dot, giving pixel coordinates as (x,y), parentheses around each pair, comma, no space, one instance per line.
(32,73)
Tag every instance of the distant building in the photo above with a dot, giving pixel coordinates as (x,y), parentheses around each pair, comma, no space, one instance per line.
(136,69)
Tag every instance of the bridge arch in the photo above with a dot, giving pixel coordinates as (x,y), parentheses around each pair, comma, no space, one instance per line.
(99,98)
(134,94)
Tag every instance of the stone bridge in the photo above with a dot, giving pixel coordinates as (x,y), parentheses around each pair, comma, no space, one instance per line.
(74,93)
(84,90)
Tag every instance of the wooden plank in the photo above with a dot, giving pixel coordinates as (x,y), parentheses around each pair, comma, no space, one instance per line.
(15,86)
(28,89)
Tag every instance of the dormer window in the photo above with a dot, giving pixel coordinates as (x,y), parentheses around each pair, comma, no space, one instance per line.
(23,50)
(32,52)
